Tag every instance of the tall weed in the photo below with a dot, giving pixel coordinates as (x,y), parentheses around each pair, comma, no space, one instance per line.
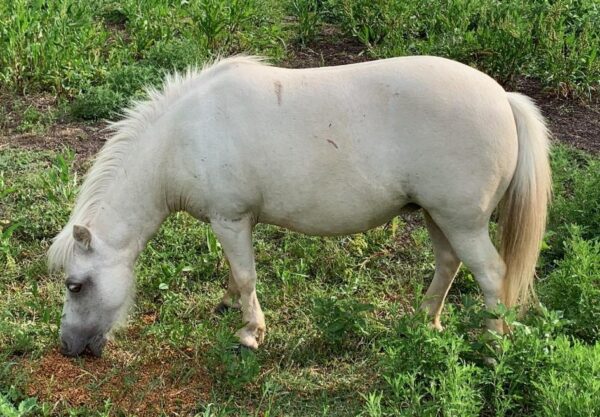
(55,46)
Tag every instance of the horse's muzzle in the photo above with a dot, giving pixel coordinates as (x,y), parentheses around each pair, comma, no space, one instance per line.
(72,345)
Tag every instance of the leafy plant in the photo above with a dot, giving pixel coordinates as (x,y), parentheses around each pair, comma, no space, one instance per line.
(309,19)
(574,287)
(61,181)
(219,22)
(576,183)
(232,365)
(97,103)
(49,46)
(33,120)
(5,190)
(369,21)
(339,320)
(7,250)
(131,80)
(570,384)
(425,373)
(176,54)
(23,409)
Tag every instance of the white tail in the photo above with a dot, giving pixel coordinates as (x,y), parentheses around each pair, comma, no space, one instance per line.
(524,207)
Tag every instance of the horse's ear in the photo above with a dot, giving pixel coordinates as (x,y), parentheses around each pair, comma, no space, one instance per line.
(82,236)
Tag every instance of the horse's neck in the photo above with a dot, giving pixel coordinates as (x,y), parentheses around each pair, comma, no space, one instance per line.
(134,206)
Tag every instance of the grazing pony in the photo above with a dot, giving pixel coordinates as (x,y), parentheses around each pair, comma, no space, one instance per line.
(323,151)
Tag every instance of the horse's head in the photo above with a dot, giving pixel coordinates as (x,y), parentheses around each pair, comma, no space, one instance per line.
(99,290)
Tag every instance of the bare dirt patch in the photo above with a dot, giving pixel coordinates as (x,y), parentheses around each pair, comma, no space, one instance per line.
(85,139)
(142,385)
(330,48)
(570,121)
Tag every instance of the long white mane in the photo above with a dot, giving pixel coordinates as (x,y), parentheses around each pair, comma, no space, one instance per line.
(135,120)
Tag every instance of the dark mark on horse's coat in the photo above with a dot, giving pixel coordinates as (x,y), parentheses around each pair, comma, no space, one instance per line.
(278,90)
(333,143)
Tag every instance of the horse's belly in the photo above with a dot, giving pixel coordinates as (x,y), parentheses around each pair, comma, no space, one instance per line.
(330,216)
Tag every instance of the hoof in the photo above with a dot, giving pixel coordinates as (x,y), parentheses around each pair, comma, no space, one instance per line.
(221,308)
(249,341)
(436,326)
(251,338)
(491,362)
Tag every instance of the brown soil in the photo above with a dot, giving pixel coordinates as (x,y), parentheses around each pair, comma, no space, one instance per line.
(143,386)
(570,121)
(331,48)
(84,139)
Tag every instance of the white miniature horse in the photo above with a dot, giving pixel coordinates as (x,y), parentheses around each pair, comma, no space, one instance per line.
(323,151)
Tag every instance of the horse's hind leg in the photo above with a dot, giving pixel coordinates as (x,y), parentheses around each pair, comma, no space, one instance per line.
(236,240)
(231,298)
(446,265)
(472,244)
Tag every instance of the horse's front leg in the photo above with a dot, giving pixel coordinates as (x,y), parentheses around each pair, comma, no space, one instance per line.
(236,239)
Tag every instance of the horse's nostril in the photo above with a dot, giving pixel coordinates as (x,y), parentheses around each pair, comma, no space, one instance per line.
(64,348)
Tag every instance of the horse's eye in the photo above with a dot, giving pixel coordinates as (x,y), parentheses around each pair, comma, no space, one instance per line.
(73,287)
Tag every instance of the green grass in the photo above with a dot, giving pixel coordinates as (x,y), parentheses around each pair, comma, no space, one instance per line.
(82,50)
(343,338)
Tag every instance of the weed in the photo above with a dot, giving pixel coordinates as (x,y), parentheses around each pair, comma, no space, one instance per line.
(34,120)
(49,46)
(176,54)
(425,372)
(576,184)
(61,182)
(368,21)
(232,364)
(8,250)
(25,407)
(574,287)
(339,320)
(97,103)
(131,80)
(570,385)
(309,19)
(373,404)
(5,190)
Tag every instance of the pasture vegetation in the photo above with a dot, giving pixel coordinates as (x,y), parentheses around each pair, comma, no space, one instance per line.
(343,336)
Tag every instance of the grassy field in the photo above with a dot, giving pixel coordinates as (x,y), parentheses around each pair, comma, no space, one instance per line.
(344,338)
